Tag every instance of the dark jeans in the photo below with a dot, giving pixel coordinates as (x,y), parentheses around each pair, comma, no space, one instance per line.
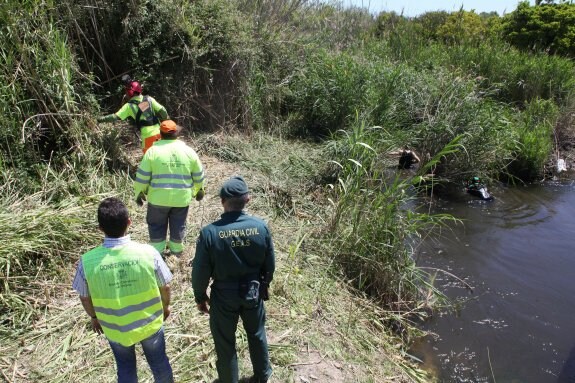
(225,310)
(159,219)
(155,351)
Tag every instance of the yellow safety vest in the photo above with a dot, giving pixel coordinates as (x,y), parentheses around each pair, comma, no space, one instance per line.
(143,110)
(170,174)
(124,291)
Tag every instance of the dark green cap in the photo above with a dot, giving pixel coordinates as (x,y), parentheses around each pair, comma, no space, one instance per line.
(234,187)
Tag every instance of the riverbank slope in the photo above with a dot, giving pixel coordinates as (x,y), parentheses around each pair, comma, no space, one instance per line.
(319,329)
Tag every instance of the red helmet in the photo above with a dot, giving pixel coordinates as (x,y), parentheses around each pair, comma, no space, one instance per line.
(133,88)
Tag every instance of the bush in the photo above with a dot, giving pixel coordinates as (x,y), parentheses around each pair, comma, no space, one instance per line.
(182,52)
(542,28)
(374,223)
(463,27)
(40,81)
(514,77)
(535,129)
(326,92)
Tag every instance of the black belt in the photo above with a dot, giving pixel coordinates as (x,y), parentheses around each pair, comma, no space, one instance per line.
(225,285)
(142,124)
(233,284)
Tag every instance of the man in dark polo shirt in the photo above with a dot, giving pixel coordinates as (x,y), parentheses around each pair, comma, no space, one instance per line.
(237,252)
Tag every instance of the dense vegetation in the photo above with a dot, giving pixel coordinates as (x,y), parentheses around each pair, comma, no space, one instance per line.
(475,94)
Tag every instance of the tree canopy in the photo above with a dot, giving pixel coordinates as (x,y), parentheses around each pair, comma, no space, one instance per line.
(546,27)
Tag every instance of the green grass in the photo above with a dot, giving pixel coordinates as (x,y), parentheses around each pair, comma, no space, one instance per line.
(315,317)
(43,231)
(313,302)
(375,221)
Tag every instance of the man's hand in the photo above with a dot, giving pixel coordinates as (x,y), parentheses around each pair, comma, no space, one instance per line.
(96,326)
(204,307)
(140,200)
(264,291)
(200,195)
(89,308)
(167,312)
(108,118)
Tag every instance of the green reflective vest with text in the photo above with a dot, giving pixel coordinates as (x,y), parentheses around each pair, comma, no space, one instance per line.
(124,291)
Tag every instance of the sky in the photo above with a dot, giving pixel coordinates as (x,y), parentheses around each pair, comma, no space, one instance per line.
(416,7)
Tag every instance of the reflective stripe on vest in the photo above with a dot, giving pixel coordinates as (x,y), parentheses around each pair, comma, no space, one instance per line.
(124,291)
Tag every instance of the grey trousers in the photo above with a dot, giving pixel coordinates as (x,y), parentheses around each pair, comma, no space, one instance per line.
(160,219)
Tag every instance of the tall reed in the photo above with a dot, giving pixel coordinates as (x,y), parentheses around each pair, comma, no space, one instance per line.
(375,225)
(42,233)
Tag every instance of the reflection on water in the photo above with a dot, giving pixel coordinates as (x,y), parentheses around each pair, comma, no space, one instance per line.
(567,374)
(517,253)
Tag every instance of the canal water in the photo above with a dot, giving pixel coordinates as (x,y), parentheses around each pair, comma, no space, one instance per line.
(517,252)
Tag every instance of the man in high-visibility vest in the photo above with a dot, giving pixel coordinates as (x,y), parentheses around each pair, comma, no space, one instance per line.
(123,287)
(237,252)
(144,111)
(168,177)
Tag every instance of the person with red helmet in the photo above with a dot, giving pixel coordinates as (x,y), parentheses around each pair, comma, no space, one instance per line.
(144,111)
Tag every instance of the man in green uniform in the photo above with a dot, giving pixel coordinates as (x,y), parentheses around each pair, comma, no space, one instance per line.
(123,287)
(144,111)
(238,253)
(169,176)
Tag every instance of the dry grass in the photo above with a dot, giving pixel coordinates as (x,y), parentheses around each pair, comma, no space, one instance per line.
(317,328)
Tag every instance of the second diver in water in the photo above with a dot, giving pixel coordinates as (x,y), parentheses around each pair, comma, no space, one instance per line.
(477,188)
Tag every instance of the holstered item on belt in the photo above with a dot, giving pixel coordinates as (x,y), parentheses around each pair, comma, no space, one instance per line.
(250,290)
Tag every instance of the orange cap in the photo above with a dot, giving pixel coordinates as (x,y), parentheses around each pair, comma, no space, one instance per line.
(168,126)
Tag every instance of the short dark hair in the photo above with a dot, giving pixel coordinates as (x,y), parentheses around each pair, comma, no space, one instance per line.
(113,217)
(169,136)
(237,203)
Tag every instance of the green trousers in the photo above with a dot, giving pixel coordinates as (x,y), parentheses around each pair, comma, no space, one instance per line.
(226,307)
